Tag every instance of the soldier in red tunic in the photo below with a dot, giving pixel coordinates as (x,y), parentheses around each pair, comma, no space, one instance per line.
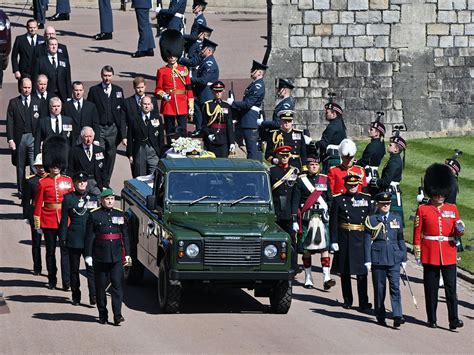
(347,151)
(173,83)
(437,224)
(49,196)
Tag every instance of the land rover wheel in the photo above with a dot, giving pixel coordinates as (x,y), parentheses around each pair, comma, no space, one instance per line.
(280,297)
(169,291)
(134,274)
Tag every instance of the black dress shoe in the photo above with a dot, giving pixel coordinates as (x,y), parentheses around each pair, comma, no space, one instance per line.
(103,36)
(347,304)
(432,325)
(328,284)
(37,273)
(456,324)
(51,286)
(76,302)
(92,300)
(59,17)
(66,287)
(103,320)
(365,307)
(398,321)
(139,54)
(119,320)
(150,53)
(382,322)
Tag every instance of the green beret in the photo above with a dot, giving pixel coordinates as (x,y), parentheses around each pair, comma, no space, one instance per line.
(107,193)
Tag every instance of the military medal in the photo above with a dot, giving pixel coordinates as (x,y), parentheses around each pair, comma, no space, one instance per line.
(81,203)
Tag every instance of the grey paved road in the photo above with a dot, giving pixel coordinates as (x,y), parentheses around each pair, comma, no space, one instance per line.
(38,320)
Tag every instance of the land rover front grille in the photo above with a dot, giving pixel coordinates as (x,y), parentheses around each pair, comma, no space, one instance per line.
(232,252)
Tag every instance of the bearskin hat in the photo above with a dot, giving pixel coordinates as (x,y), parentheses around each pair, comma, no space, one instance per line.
(439,180)
(55,152)
(171,44)
(347,148)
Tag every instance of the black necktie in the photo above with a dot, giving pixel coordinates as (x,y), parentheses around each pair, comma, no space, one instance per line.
(57,125)
(79,106)
(88,152)
(384,219)
(147,120)
(53,62)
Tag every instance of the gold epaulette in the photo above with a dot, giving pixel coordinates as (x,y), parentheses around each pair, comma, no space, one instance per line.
(274,130)
(118,209)
(207,102)
(95,209)
(297,130)
(365,193)
(302,175)
(29,177)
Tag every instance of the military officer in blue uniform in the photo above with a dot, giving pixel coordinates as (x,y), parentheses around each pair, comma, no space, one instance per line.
(383,256)
(250,108)
(332,136)
(106,21)
(107,249)
(218,128)
(194,58)
(206,74)
(199,6)
(75,209)
(348,239)
(173,17)
(146,42)
(392,173)
(286,135)
(63,11)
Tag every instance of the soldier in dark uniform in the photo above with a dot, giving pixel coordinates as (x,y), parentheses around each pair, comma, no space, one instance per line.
(287,136)
(284,102)
(194,58)
(75,209)
(392,174)
(310,210)
(332,136)
(199,6)
(30,184)
(218,130)
(107,249)
(374,151)
(348,238)
(250,109)
(173,17)
(383,256)
(205,75)
(283,177)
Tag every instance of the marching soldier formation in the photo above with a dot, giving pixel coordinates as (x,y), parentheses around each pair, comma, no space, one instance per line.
(328,202)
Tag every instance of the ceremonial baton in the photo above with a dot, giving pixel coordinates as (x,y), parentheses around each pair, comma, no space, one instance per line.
(409,287)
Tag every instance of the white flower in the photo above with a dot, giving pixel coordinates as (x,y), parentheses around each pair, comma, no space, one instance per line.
(182,145)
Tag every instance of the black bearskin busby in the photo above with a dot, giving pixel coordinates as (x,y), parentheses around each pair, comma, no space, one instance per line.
(171,44)
(439,180)
(55,152)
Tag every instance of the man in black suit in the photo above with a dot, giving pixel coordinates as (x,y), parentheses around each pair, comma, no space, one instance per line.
(132,103)
(90,158)
(57,69)
(41,92)
(82,112)
(23,114)
(145,140)
(23,50)
(109,100)
(52,124)
(49,32)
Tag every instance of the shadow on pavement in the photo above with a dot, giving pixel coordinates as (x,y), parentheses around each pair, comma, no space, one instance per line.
(73,34)
(413,320)
(38,299)
(107,50)
(132,74)
(345,315)
(76,317)
(5,216)
(15,270)
(22,283)
(8,202)
(315,299)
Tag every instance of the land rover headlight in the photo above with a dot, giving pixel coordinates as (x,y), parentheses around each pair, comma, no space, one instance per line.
(192,250)
(270,251)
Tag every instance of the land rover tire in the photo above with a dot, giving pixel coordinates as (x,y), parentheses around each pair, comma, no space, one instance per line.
(169,291)
(280,297)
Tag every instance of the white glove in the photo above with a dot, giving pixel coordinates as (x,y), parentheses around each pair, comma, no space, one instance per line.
(420,197)
(211,137)
(335,247)
(368,178)
(404,265)
(418,262)
(275,161)
(295,227)
(307,140)
(39,231)
(88,260)
(190,111)
(368,266)
(128,261)
(158,9)
(230,100)
(460,226)
(232,148)
(259,121)
(166,97)
(27,221)
(97,143)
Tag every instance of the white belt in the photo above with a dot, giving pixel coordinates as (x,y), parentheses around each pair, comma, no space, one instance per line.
(209,84)
(332,146)
(376,168)
(440,238)
(256,109)
(179,15)
(394,183)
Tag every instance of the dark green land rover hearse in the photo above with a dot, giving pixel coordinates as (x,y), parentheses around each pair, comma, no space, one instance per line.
(210,221)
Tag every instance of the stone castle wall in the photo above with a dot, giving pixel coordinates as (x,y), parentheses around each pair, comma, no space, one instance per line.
(412,59)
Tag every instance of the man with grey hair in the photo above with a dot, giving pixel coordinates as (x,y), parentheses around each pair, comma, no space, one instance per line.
(90,158)
(53,124)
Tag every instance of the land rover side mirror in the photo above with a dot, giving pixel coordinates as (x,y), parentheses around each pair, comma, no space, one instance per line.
(151,202)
